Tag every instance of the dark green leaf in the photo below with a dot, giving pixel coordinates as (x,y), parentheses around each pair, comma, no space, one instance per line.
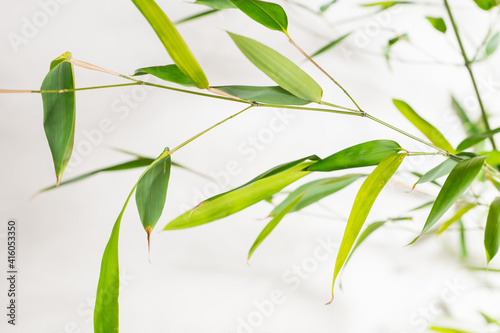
(455,185)
(59,112)
(330,45)
(170,73)
(270,95)
(365,154)
(475,139)
(438,23)
(492,230)
(216,4)
(269,14)
(281,70)
(173,42)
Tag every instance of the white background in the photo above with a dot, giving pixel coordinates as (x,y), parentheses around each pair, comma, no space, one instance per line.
(199,279)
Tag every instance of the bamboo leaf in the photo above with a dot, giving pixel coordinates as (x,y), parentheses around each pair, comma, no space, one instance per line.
(365,199)
(281,70)
(455,185)
(489,319)
(492,230)
(492,44)
(270,95)
(438,23)
(173,42)
(486,4)
(423,126)
(364,235)
(365,154)
(216,4)
(386,4)
(272,224)
(59,112)
(437,172)
(238,199)
(314,191)
(475,139)
(446,330)
(106,311)
(458,215)
(195,16)
(151,191)
(469,126)
(170,73)
(269,14)
(330,45)
(327,5)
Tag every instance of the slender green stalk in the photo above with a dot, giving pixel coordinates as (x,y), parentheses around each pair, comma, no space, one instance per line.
(351,113)
(468,65)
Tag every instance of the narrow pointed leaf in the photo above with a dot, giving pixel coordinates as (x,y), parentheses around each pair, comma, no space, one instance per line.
(475,139)
(438,23)
(327,5)
(447,330)
(106,311)
(270,95)
(469,126)
(437,172)
(216,4)
(236,200)
(492,230)
(364,235)
(455,185)
(280,69)
(458,215)
(269,14)
(363,203)
(196,16)
(170,73)
(151,191)
(272,224)
(365,154)
(59,112)
(330,45)
(314,191)
(423,126)
(463,240)
(386,4)
(492,44)
(489,319)
(173,42)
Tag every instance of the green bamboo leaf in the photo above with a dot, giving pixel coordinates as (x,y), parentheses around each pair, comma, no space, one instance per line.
(365,154)
(170,73)
(106,312)
(364,235)
(216,4)
(425,205)
(419,175)
(492,44)
(423,126)
(173,42)
(281,70)
(446,330)
(492,230)
(437,172)
(475,139)
(272,224)
(487,4)
(195,16)
(386,4)
(327,5)
(269,14)
(469,127)
(330,45)
(489,319)
(238,199)
(438,23)
(455,185)
(314,191)
(458,215)
(270,95)
(365,198)
(152,191)
(59,112)
(463,240)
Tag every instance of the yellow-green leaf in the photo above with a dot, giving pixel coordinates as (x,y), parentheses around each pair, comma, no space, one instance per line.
(492,230)
(438,23)
(170,73)
(216,4)
(280,69)
(363,203)
(458,215)
(173,42)
(269,14)
(426,128)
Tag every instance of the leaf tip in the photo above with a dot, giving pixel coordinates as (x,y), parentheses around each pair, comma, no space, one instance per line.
(58,180)
(148,232)
(331,300)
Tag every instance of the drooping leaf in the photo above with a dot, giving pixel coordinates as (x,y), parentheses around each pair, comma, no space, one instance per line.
(170,73)
(438,23)
(455,185)
(330,45)
(458,215)
(469,126)
(327,5)
(272,224)
(314,191)
(487,4)
(423,126)
(269,14)
(151,191)
(196,16)
(365,154)
(281,70)
(475,139)
(364,235)
(363,203)
(216,4)
(238,199)
(173,42)
(59,112)
(492,44)
(492,230)
(106,312)
(270,95)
